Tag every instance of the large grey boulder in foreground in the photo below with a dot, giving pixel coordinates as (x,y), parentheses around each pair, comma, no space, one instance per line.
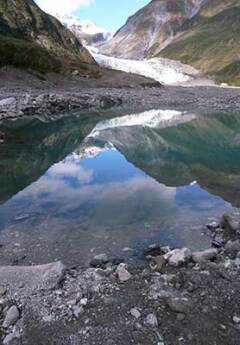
(32,277)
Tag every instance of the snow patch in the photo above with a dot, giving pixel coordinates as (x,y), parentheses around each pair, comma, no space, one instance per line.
(153,118)
(83,27)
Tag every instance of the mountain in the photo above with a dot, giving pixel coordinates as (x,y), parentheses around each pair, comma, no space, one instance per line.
(210,41)
(43,143)
(30,38)
(201,33)
(151,28)
(177,148)
(85,30)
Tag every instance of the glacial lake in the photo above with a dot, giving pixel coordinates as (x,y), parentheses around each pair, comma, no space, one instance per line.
(76,186)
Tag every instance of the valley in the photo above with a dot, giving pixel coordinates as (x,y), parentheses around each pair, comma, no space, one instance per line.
(119,172)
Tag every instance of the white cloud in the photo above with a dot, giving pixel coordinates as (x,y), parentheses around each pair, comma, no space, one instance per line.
(62,6)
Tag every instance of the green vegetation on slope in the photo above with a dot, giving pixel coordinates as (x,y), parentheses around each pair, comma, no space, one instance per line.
(211,43)
(27,55)
(31,38)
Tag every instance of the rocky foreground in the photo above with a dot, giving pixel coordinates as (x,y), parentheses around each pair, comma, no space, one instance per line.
(175,297)
(23,94)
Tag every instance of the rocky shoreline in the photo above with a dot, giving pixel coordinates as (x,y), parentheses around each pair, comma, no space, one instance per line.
(57,95)
(20,105)
(175,297)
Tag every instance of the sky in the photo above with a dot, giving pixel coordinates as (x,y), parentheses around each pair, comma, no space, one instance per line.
(108,14)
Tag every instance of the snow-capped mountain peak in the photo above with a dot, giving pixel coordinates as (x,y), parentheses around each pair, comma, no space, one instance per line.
(85,25)
(85,30)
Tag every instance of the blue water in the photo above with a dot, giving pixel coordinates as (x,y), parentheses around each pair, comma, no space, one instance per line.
(114,195)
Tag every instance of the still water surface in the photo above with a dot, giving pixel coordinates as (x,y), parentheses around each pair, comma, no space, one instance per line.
(79,186)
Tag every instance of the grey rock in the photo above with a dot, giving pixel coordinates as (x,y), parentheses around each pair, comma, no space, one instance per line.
(3,291)
(179,304)
(205,255)
(153,250)
(151,320)
(75,73)
(236,319)
(213,226)
(11,317)
(11,338)
(40,98)
(232,247)
(180,317)
(27,99)
(158,263)
(99,261)
(218,241)
(33,277)
(8,102)
(135,313)
(230,223)
(122,273)
(84,302)
(178,257)
(77,311)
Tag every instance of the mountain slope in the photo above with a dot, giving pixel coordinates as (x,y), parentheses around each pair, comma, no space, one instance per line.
(151,28)
(30,37)
(177,148)
(201,33)
(210,41)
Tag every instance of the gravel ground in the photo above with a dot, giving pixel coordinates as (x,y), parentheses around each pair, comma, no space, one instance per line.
(176,297)
(23,94)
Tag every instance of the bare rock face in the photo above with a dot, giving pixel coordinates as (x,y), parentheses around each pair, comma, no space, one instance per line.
(148,31)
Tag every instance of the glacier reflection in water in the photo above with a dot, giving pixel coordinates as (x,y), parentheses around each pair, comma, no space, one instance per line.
(155,176)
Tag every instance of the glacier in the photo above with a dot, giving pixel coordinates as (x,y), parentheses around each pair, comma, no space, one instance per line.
(165,71)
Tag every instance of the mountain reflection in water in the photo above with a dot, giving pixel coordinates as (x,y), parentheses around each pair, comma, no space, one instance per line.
(78,186)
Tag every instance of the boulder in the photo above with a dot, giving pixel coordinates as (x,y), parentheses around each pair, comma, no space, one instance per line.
(218,241)
(230,223)
(11,338)
(178,257)
(122,273)
(99,261)
(232,248)
(158,263)
(6,102)
(44,277)
(153,250)
(135,313)
(205,255)
(151,320)
(179,304)
(213,226)
(11,317)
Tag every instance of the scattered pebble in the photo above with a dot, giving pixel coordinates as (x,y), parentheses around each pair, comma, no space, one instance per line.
(151,320)
(135,313)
